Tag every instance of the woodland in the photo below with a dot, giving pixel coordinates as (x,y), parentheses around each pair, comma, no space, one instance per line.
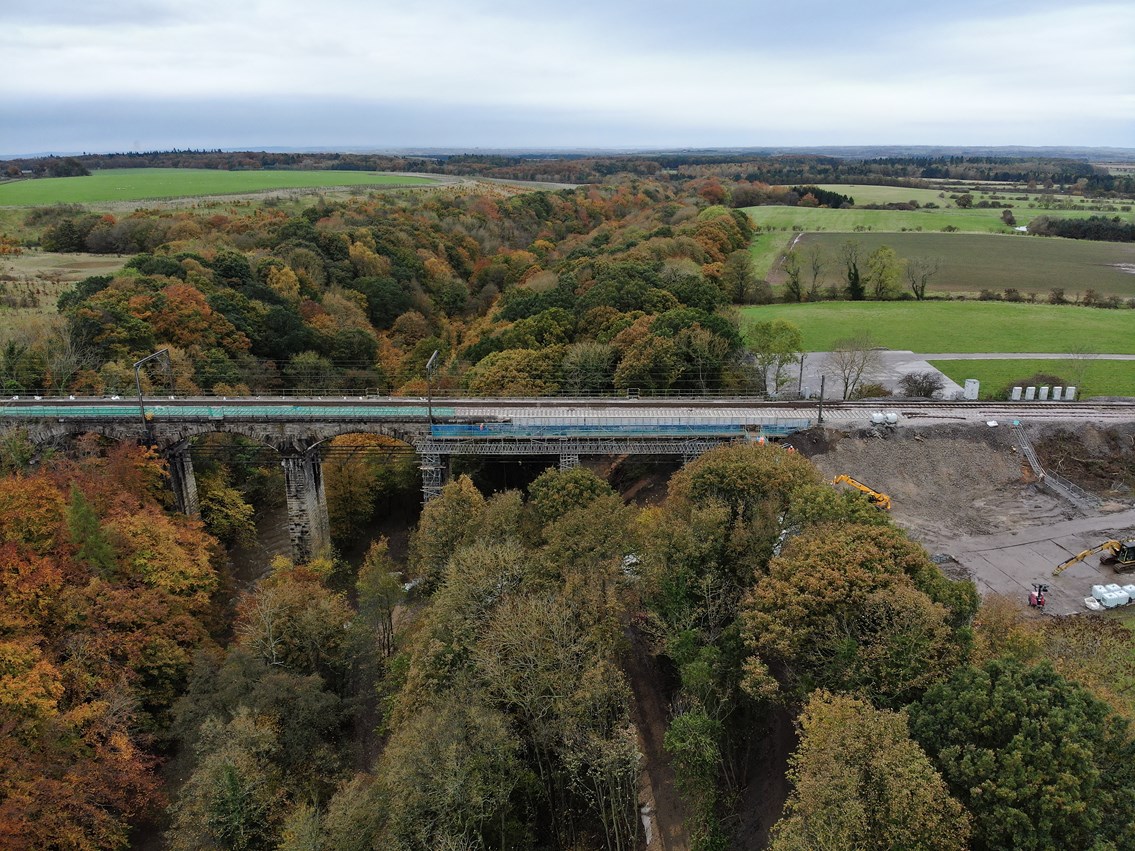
(147,697)
(487,684)
(624,284)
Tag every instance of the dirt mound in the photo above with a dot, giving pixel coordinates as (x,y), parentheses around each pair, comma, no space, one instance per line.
(639,479)
(1097,459)
(945,480)
(814,441)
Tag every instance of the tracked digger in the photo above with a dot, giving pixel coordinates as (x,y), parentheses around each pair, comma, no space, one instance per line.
(1121,554)
(879,500)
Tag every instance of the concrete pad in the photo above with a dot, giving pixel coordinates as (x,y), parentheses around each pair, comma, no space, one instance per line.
(1009,563)
(893,365)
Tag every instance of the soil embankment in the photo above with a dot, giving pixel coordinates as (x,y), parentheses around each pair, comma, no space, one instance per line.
(963,492)
(946,481)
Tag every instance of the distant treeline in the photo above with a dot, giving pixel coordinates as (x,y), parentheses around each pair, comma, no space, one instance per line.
(777,170)
(222,160)
(1095,227)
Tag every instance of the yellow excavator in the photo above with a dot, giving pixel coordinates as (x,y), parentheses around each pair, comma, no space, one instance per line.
(1120,554)
(878,499)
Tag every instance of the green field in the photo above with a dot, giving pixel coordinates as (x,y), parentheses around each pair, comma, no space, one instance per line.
(1091,377)
(868,194)
(973,262)
(959,326)
(765,249)
(140,184)
(811,219)
(1006,196)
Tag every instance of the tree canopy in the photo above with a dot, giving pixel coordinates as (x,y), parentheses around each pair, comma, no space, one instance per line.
(1037,760)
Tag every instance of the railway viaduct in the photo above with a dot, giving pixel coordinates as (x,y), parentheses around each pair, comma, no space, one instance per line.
(559,429)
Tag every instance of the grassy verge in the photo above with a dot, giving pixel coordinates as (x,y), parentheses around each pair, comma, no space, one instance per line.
(959,326)
(1091,377)
(137,184)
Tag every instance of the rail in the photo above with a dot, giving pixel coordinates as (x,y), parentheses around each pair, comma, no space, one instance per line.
(512,430)
(231,410)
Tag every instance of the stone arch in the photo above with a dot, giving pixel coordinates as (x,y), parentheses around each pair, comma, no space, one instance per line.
(284,436)
(52,432)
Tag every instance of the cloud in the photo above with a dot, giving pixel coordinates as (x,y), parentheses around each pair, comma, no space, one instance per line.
(822,73)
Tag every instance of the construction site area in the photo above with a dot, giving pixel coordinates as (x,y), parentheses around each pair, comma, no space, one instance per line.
(1002,504)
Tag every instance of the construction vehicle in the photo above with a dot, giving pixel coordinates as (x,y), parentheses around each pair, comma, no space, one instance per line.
(1038,597)
(1120,554)
(878,499)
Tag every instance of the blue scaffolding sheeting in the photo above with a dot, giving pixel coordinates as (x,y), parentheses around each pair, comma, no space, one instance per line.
(640,429)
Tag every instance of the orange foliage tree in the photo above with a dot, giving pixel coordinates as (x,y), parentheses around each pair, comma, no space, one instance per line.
(102,596)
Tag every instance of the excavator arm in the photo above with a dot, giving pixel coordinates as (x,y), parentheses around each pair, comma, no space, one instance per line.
(1106,545)
(880,500)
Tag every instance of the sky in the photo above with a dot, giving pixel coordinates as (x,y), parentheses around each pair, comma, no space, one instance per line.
(155,74)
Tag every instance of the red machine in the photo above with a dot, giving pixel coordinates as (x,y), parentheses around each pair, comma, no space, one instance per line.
(1038,596)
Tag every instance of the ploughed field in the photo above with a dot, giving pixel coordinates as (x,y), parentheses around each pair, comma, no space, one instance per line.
(974,262)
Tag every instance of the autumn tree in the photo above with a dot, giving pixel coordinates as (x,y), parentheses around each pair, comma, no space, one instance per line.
(649,364)
(737,277)
(226,513)
(854,359)
(816,262)
(776,344)
(884,270)
(1036,759)
(854,608)
(517,372)
(851,254)
(793,288)
(860,781)
(447,522)
(918,272)
(379,590)
(97,632)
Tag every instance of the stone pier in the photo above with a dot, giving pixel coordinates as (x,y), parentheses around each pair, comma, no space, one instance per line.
(182,480)
(308,524)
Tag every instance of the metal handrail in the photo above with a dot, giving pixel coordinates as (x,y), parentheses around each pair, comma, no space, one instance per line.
(1053,481)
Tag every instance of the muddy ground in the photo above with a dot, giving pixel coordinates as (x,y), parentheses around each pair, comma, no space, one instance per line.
(964,492)
(946,481)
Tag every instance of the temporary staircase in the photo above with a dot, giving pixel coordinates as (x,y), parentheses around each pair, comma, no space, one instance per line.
(1053,481)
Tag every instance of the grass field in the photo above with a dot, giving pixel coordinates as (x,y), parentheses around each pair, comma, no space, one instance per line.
(1091,377)
(140,184)
(959,326)
(973,262)
(1007,196)
(867,194)
(814,219)
(31,284)
(765,250)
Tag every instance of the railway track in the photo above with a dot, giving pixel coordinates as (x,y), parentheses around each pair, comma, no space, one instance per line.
(24,409)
